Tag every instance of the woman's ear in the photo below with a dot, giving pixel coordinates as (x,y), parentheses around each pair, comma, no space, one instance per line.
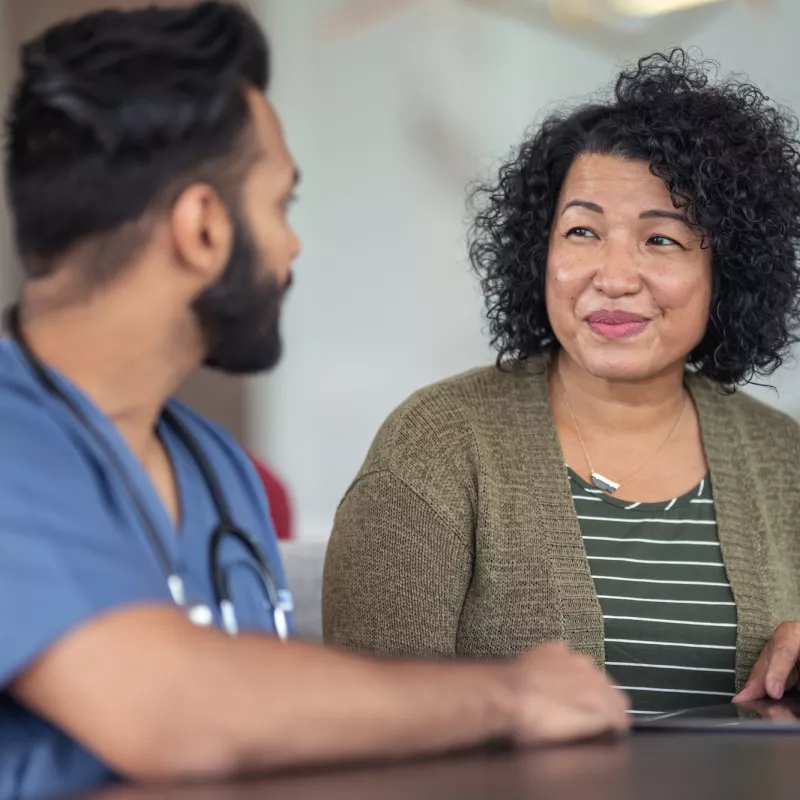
(202,232)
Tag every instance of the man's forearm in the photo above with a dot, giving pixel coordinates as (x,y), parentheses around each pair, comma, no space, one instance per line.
(284,705)
(164,699)
(325,705)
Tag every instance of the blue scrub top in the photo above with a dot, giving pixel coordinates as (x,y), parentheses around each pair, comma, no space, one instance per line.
(72,546)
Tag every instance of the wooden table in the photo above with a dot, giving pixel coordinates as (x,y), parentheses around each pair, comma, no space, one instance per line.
(645,766)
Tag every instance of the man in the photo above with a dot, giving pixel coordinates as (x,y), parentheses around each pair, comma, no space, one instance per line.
(149,183)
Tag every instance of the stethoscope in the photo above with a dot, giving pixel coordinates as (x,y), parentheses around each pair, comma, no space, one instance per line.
(280,601)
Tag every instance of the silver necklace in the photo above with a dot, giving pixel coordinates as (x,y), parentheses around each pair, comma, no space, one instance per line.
(600,481)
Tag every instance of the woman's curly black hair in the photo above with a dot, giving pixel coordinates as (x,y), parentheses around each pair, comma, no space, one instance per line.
(731,161)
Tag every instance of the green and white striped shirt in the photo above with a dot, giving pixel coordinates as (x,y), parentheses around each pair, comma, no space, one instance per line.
(668,610)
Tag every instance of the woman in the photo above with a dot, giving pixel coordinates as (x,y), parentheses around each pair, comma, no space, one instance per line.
(604,484)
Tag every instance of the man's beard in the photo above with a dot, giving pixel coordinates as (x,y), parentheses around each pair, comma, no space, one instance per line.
(239,315)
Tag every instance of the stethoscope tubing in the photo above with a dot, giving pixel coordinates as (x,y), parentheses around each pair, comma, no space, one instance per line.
(224,529)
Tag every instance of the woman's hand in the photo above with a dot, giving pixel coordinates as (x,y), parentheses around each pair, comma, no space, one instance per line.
(778,667)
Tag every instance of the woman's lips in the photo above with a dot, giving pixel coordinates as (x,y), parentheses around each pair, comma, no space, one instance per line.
(616,324)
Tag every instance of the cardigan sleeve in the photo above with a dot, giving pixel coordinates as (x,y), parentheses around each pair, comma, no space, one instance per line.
(400,557)
(396,572)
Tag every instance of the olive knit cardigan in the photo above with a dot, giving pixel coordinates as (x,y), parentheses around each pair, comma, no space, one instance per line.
(459,535)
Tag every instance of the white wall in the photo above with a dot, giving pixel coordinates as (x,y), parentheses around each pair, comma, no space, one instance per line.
(384,301)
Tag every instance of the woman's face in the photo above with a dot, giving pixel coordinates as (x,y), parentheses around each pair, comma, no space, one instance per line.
(628,284)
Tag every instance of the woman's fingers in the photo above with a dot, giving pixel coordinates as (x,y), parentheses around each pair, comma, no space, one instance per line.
(776,670)
(785,653)
(755,687)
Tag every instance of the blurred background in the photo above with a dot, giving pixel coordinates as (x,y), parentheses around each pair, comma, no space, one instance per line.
(392,107)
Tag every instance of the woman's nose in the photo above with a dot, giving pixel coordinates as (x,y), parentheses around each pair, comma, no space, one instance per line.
(618,271)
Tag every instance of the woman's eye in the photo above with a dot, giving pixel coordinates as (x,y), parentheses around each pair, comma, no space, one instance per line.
(580,233)
(663,241)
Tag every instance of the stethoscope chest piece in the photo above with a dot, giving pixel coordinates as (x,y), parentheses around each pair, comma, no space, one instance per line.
(200,614)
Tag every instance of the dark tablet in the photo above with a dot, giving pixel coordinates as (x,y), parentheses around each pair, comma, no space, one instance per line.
(765,715)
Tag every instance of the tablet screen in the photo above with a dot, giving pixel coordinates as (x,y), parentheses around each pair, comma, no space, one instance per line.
(768,715)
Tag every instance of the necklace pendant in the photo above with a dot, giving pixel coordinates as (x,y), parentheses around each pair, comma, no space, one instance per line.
(604,484)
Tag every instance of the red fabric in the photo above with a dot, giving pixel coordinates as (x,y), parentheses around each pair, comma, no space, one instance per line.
(278,498)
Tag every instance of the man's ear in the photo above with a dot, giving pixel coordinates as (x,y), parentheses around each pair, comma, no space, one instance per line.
(202,232)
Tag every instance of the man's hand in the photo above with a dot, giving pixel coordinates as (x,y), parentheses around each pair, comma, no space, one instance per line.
(778,667)
(562,696)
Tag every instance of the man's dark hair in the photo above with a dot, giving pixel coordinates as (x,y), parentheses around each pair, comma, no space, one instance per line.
(116,113)
(731,161)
